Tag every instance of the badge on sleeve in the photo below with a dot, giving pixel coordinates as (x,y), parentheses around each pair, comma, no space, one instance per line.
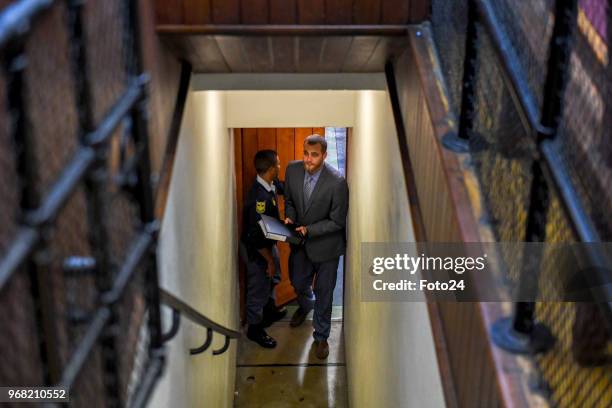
(260,207)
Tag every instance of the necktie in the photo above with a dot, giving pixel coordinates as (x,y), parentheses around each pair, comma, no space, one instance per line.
(308,188)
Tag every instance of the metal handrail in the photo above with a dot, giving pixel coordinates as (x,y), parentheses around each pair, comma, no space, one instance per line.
(195,316)
(178,307)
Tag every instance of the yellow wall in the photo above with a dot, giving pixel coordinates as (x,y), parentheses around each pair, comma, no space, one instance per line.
(290,108)
(197,250)
(390,356)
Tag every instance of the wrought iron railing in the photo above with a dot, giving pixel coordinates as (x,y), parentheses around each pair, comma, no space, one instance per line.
(521,333)
(87,169)
(538,139)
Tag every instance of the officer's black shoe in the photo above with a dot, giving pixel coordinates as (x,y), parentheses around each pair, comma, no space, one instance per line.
(257,334)
(272,315)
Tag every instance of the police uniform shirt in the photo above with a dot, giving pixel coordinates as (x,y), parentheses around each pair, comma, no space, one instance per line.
(261,199)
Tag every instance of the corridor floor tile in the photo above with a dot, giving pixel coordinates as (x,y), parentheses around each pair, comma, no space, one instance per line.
(284,387)
(294,346)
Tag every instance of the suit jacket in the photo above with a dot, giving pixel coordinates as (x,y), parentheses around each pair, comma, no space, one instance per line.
(325,214)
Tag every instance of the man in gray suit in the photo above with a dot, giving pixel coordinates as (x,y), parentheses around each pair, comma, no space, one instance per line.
(316,201)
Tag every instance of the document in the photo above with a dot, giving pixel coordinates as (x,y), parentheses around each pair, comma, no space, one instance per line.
(276,230)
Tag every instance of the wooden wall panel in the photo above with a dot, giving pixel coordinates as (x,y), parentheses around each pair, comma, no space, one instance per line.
(360,52)
(309,53)
(366,12)
(254,11)
(285,138)
(311,11)
(419,10)
(395,11)
(432,184)
(169,12)
(266,138)
(283,54)
(387,49)
(334,52)
(259,53)
(226,11)
(249,148)
(300,135)
(339,11)
(196,11)
(456,329)
(306,12)
(205,52)
(283,11)
(233,53)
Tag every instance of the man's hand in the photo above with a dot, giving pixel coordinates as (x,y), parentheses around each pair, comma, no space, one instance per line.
(288,221)
(302,230)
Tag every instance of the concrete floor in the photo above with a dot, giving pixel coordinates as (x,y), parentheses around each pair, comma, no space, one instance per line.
(290,375)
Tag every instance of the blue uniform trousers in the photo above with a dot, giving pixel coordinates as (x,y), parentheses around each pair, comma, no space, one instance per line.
(258,284)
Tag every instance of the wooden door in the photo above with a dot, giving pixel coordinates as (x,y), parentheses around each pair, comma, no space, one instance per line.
(288,143)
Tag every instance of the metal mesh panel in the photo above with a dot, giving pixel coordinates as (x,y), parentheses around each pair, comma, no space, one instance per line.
(123,213)
(449,24)
(75,296)
(104,28)
(68,299)
(580,373)
(123,227)
(578,370)
(585,138)
(19,362)
(88,390)
(50,96)
(528,25)
(131,319)
(502,152)
(9,194)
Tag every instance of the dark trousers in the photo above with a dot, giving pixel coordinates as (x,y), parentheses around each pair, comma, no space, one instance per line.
(302,271)
(258,284)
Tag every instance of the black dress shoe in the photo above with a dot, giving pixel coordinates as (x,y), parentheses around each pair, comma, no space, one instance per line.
(257,334)
(298,317)
(271,316)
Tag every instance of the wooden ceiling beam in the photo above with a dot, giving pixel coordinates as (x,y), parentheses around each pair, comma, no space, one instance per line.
(285,30)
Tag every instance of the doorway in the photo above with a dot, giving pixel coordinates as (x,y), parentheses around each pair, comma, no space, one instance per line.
(288,143)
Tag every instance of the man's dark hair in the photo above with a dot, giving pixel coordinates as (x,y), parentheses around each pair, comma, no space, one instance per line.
(316,139)
(264,159)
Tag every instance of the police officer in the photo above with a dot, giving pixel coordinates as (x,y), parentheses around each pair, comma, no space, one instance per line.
(260,254)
